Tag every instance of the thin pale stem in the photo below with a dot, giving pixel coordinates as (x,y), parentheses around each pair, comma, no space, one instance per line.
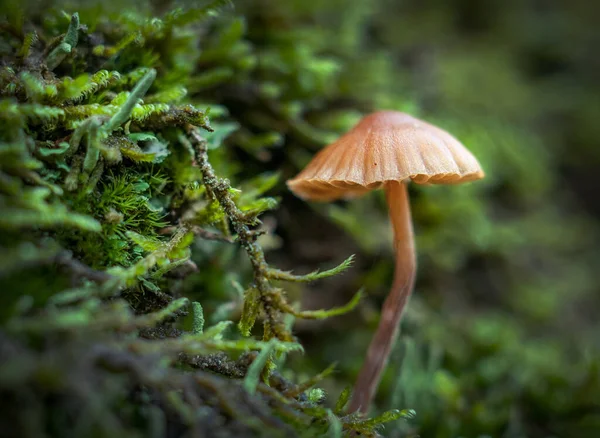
(391,312)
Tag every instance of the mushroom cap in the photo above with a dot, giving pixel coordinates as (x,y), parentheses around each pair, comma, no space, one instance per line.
(385,146)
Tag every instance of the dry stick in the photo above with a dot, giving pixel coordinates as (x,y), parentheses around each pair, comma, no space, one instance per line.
(391,312)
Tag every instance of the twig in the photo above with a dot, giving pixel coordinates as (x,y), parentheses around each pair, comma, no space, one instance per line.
(220,189)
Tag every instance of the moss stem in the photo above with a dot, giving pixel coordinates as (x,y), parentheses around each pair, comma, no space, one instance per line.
(220,189)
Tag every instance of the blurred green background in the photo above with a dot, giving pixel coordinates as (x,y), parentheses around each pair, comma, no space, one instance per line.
(501,337)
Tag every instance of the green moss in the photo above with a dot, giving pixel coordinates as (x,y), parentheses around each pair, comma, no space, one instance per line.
(106,176)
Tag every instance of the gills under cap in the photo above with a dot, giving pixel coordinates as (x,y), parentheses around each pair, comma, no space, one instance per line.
(385,146)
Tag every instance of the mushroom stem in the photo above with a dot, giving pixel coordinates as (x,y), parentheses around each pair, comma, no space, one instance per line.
(391,312)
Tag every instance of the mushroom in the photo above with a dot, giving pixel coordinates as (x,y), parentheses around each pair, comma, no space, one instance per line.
(386,149)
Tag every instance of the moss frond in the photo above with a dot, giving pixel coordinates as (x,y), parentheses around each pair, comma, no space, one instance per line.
(276,274)
(66,46)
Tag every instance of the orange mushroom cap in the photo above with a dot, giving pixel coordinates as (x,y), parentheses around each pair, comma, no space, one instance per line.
(385,146)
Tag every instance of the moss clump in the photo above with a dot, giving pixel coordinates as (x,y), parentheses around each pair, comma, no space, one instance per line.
(106,189)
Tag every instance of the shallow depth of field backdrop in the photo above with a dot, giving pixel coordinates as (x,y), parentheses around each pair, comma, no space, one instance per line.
(501,336)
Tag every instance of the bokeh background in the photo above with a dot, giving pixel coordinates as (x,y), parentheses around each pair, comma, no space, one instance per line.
(501,338)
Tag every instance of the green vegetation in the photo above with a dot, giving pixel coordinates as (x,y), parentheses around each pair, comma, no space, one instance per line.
(153,265)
